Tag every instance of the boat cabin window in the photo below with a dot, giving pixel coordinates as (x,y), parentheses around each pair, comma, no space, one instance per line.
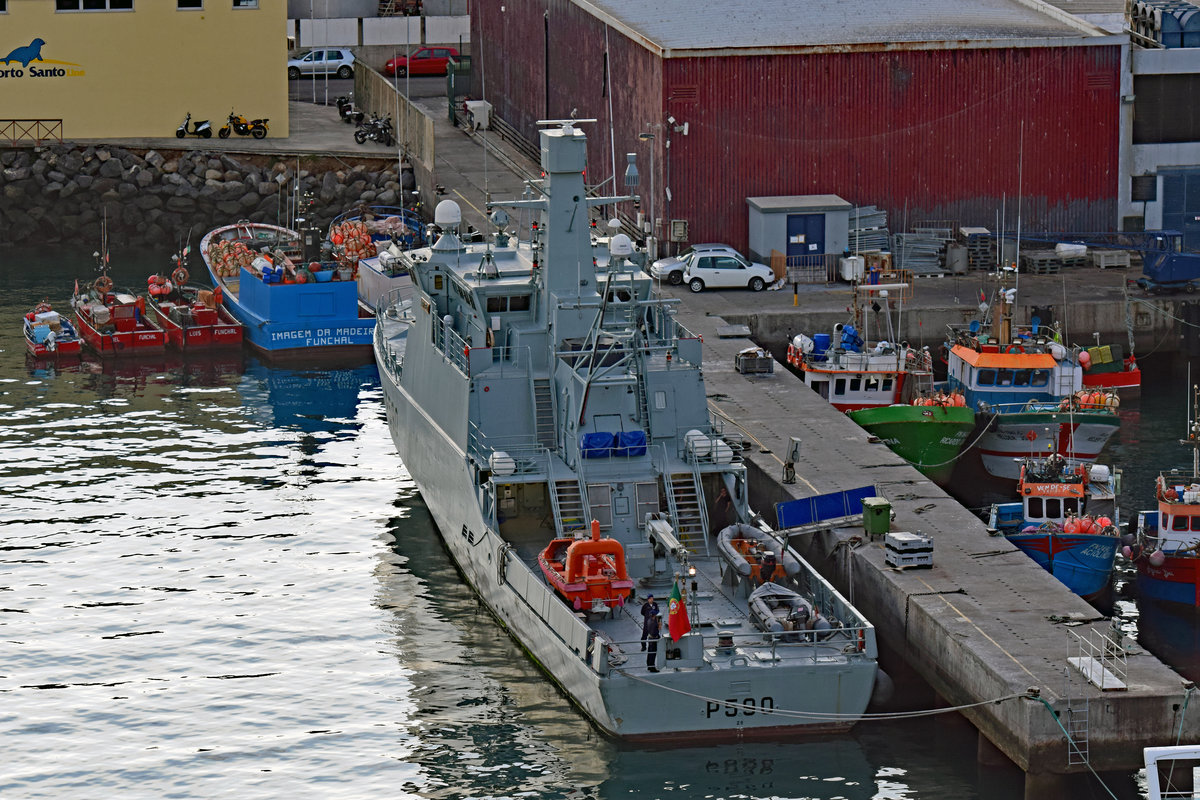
(886,385)
(839,386)
(985,377)
(856,384)
(1182,522)
(499,305)
(1021,377)
(1004,377)
(1040,377)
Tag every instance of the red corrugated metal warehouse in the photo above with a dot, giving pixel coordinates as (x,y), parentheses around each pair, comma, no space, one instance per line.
(929,109)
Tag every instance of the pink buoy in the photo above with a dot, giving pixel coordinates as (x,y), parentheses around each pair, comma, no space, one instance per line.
(578,605)
(1127,551)
(1157,558)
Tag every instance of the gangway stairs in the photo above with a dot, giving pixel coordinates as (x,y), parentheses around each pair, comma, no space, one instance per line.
(570,507)
(543,406)
(686,504)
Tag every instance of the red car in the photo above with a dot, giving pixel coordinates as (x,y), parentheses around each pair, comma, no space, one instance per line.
(423,61)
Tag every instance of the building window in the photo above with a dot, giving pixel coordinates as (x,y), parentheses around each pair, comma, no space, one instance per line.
(3,6)
(245,3)
(93,5)
(189,4)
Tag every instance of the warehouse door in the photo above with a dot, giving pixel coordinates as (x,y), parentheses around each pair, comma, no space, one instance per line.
(805,237)
(1181,205)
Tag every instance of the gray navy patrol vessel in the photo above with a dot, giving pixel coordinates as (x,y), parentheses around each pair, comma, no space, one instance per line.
(554,418)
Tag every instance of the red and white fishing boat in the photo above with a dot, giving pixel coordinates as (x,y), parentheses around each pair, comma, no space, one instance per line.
(192,317)
(853,374)
(114,322)
(50,335)
(589,573)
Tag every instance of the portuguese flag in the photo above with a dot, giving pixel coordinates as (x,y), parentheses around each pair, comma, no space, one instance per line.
(677,619)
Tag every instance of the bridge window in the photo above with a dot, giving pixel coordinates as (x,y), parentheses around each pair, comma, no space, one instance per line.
(856,384)
(1179,523)
(1053,508)
(886,385)
(1041,377)
(1071,506)
(499,305)
(1034,509)
(1021,377)
(985,377)
(839,386)
(1004,377)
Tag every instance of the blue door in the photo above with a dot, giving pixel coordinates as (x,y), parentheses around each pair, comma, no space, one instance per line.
(805,237)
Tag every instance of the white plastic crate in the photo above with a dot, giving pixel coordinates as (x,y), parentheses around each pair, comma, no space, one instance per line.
(902,549)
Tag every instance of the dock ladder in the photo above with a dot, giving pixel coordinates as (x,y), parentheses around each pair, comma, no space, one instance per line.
(1100,658)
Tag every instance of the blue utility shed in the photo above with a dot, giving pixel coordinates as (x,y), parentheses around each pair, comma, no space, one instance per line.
(799,226)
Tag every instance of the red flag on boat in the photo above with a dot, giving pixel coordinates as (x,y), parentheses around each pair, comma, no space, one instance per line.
(677,618)
(77,286)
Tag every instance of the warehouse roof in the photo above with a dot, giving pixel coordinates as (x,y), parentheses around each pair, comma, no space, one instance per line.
(774,25)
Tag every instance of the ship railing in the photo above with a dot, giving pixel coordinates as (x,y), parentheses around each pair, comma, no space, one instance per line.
(452,346)
(519,455)
(768,649)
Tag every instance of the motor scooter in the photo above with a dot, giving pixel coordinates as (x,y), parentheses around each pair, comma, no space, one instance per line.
(243,127)
(201,128)
(346,110)
(377,129)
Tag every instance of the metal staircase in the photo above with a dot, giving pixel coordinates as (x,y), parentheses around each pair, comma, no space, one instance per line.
(570,507)
(543,407)
(687,510)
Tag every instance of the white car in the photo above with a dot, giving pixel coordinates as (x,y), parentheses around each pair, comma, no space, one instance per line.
(330,61)
(717,270)
(671,268)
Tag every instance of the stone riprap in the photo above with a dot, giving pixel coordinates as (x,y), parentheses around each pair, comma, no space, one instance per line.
(61,193)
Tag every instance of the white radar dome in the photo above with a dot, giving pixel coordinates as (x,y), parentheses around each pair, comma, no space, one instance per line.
(447,214)
(620,245)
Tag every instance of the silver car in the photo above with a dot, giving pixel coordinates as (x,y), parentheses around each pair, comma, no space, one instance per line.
(332,61)
(671,269)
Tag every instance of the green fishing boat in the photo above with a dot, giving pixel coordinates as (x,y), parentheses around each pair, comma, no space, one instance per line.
(927,436)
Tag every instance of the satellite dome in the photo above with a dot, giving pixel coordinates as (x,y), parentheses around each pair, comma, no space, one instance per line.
(447,214)
(620,245)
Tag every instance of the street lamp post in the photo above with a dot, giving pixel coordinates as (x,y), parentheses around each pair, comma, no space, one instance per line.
(651,244)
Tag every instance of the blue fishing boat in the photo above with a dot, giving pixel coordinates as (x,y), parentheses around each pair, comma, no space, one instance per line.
(1027,390)
(292,306)
(1067,520)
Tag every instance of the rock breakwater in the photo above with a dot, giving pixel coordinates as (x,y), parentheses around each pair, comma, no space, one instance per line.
(61,193)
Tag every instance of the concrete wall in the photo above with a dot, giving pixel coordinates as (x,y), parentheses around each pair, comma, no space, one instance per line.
(392,32)
(119,74)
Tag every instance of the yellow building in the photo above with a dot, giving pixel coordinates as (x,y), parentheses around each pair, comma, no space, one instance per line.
(115,69)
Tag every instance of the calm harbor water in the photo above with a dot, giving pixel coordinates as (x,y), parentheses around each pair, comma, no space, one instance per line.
(217,580)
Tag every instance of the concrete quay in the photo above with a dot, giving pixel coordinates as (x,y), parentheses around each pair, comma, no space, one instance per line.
(983,623)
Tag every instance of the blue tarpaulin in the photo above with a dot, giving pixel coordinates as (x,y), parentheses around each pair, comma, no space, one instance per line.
(807,510)
(596,445)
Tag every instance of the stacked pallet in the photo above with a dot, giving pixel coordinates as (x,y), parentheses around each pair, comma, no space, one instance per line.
(1041,262)
(920,253)
(979,247)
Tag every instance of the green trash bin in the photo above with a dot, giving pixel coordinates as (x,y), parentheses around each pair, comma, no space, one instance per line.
(877,516)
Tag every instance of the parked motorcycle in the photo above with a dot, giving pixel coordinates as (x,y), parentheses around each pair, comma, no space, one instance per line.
(243,127)
(376,129)
(347,111)
(201,128)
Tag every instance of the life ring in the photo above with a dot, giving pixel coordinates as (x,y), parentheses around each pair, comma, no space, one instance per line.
(180,276)
(1014,348)
(103,284)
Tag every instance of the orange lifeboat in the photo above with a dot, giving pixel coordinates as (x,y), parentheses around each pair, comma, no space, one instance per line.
(589,573)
